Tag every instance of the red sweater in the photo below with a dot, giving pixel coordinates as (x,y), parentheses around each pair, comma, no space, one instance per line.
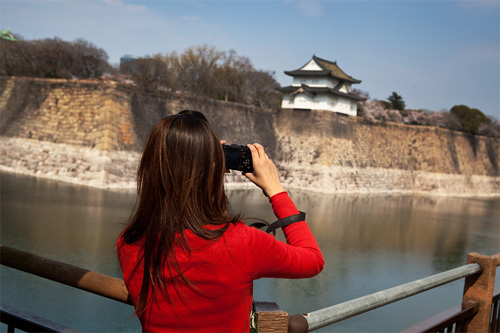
(224,272)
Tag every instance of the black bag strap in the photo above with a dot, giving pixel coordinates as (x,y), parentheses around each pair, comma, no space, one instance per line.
(281,222)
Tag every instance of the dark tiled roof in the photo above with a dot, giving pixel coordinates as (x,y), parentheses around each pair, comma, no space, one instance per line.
(329,68)
(320,90)
(335,69)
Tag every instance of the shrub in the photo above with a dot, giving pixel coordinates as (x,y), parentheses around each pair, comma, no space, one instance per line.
(470,119)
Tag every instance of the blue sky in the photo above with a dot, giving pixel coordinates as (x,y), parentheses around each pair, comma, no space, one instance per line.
(435,54)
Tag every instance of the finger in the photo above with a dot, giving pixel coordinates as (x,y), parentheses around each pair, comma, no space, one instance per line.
(260,149)
(222,142)
(250,176)
(260,152)
(253,151)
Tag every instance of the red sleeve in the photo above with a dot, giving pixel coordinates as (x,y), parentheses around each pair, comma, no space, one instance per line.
(300,257)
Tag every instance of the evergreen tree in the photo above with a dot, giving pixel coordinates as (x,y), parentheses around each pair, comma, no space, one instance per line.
(396,101)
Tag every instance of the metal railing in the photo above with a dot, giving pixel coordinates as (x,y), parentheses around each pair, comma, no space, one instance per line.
(342,311)
(15,318)
(495,312)
(336,313)
(478,302)
(452,320)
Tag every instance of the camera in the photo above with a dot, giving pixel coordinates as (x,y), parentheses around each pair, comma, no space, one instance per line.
(238,158)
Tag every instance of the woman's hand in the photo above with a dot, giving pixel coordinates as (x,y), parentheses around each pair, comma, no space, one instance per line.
(265,174)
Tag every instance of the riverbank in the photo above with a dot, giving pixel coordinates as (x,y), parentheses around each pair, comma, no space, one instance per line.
(71,164)
(116,170)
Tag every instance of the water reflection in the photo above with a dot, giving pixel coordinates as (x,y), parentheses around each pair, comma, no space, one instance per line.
(438,226)
(370,242)
(62,221)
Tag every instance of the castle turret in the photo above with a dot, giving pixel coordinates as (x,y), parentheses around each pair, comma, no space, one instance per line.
(321,85)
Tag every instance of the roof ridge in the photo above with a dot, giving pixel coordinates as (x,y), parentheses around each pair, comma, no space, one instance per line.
(328,61)
(336,71)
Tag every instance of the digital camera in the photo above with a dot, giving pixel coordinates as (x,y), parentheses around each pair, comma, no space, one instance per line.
(238,158)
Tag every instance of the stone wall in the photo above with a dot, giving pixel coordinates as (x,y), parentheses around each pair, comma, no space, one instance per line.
(91,114)
(331,153)
(314,150)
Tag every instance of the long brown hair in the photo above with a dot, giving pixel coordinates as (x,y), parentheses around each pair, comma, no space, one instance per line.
(180,183)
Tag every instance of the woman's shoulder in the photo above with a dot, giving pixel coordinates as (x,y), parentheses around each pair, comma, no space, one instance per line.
(244,233)
(235,228)
(241,226)
(123,246)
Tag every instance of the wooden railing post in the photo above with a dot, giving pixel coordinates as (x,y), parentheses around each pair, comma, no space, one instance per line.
(479,288)
(270,318)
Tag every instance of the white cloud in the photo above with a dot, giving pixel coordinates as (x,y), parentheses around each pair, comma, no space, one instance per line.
(307,8)
(480,4)
(310,8)
(120,3)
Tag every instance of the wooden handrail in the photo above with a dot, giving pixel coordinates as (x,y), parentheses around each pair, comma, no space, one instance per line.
(70,275)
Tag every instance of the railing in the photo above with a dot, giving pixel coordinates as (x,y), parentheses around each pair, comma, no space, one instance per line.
(342,311)
(15,318)
(479,311)
(452,320)
(474,312)
(73,276)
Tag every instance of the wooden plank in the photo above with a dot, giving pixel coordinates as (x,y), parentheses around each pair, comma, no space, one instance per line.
(270,318)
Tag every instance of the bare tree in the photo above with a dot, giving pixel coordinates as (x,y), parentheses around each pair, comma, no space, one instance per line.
(150,75)
(53,57)
(230,76)
(90,61)
(197,67)
(490,128)
(17,58)
(262,89)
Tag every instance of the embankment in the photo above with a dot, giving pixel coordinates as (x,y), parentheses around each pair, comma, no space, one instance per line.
(91,133)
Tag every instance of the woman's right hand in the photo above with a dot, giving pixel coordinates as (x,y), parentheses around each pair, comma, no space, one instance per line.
(265,174)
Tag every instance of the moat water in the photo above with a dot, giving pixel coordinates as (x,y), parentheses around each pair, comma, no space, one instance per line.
(370,243)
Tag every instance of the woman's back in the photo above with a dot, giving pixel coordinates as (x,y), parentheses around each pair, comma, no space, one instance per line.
(222,274)
(219,297)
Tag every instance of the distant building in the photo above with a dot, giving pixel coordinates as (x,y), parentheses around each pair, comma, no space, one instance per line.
(321,85)
(124,59)
(127,57)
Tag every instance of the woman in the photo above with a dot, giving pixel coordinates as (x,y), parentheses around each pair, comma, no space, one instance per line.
(187,263)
